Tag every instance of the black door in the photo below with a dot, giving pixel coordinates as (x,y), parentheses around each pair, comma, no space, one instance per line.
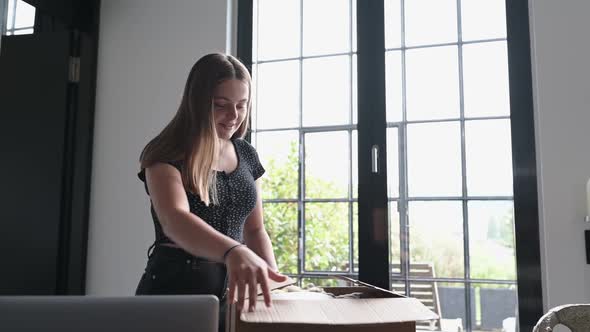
(33,121)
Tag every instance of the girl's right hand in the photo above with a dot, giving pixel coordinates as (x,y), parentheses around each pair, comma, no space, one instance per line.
(246,270)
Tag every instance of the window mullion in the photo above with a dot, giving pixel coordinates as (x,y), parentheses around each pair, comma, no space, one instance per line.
(466,252)
(351,233)
(374,267)
(302,204)
(403,156)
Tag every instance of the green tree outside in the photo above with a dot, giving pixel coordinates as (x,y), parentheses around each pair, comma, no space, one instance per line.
(327,232)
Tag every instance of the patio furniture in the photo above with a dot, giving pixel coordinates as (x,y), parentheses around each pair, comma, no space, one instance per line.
(425,291)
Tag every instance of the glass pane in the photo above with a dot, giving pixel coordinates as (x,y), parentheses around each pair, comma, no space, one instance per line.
(326,237)
(326,27)
(432,83)
(254,33)
(393,86)
(483,19)
(399,286)
(280,221)
(10,15)
(278,95)
(25,16)
(393,25)
(394,238)
(451,300)
(355,164)
(326,165)
(485,79)
(491,230)
(488,154)
(254,111)
(434,159)
(279,154)
(429,293)
(436,236)
(392,163)
(307,283)
(354,25)
(278,29)
(253,141)
(323,103)
(430,22)
(354,90)
(425,292)
(355,237)
(495,307)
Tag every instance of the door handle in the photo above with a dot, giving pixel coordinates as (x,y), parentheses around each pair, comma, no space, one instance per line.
(375,158)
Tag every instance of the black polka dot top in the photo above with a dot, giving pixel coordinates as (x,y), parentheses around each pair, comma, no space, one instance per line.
(236,192)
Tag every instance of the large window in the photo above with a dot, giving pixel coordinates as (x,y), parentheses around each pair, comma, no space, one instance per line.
(448,146)
(20,18)
(305,131)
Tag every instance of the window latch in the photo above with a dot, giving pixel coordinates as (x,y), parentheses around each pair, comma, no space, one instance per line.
(375,158)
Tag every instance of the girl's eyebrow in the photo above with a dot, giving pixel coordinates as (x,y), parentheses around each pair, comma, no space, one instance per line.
(227,99)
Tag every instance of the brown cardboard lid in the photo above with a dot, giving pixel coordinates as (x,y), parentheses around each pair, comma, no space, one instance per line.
(341,311)
(272,285)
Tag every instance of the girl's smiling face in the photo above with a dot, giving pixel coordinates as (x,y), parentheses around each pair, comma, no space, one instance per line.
(230,107)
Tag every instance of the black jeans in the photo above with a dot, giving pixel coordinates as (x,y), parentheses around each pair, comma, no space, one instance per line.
(173,271)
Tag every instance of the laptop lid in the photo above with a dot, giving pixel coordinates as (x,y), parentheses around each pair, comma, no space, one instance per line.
(178,313)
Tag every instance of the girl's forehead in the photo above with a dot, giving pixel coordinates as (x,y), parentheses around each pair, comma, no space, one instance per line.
(231,87)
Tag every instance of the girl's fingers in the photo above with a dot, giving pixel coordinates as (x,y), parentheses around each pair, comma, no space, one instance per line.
(263,279)
(248,272)
(252,292)
(241,293)
(276,276)
(232,289)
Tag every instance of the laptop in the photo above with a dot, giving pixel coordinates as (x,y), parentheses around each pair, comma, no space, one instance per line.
(178,313)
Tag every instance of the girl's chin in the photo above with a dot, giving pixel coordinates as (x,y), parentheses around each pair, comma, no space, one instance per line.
(224,134)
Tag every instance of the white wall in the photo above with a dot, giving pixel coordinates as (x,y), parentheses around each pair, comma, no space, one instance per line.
(146,49)
(561,73)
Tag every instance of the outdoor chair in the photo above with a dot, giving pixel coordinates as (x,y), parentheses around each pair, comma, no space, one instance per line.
(425,291)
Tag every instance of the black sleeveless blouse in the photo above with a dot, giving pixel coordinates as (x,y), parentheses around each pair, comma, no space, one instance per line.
(236,192)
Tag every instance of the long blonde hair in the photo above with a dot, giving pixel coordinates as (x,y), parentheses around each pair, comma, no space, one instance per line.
(191,137)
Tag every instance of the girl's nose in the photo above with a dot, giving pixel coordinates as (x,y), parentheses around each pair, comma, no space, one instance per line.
(233,112)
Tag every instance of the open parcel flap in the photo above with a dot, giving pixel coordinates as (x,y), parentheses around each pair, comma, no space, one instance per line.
(341,311)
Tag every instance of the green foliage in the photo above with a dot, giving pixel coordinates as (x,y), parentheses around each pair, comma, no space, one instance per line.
(327,235)
(502,230)
(489,259)
(326,230)
(445,252)
(281,224)
(281,180)
(321,282)
(281,218)
(496,258)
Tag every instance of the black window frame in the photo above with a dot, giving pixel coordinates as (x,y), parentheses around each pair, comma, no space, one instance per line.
(372,198)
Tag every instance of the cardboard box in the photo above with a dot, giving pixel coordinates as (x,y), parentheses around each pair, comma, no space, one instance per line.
(377,310)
